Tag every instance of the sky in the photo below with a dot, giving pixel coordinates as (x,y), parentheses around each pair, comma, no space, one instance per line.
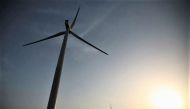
(147,43)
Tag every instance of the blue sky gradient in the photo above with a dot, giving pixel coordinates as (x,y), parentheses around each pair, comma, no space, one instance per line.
(146,40)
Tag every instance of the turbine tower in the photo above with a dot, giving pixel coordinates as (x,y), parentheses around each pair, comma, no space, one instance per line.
(57,75)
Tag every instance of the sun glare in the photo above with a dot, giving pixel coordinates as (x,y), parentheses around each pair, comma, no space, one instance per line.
(165,98)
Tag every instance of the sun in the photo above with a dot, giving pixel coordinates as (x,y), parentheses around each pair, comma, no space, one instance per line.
(165,98)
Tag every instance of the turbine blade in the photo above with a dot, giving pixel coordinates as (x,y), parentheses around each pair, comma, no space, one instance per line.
(50,37)
(73,23)
(78,37)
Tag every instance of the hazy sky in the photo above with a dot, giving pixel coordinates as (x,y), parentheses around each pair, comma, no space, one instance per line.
(146,40)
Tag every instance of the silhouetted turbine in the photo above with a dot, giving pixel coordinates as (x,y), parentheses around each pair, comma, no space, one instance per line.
(56,80)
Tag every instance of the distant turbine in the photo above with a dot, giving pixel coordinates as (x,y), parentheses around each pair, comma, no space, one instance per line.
(56,80)
(110,106)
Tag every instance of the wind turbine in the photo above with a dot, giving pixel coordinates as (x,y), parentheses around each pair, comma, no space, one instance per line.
(57,75)
(110,106)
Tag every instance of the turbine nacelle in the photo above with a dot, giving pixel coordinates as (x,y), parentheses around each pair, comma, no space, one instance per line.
(67,25)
